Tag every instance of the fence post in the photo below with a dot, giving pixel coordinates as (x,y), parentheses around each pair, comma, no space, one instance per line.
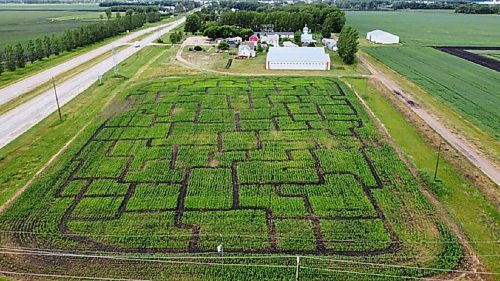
(297,270)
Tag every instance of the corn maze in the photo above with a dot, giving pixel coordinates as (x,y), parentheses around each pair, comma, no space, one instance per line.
(261,166)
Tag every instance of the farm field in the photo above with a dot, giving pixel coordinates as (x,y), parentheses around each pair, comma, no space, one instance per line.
(267,167)
(469,89)
(430,27)
(19,24)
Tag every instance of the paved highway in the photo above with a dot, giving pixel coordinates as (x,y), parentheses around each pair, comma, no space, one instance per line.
(14,90)
(20,119)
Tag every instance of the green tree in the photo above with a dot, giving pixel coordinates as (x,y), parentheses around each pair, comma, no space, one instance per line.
(10,60)
(193,23)
(296,38)
(19,56)
(334,21)
(223,46)
(56,43)
(1,64)
(108,13)
(47,46)
(31,51)
(175,37)
(326,32)
(39,49)
(348,44)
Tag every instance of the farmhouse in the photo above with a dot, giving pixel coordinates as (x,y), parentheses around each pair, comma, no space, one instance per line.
(382,37)
(313,58)
(251,44)
(288,35)
(331,44)
(244,51)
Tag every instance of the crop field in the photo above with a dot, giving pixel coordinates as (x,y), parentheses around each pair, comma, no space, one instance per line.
(270,168)
(468,88)
(20,26)
(430,27)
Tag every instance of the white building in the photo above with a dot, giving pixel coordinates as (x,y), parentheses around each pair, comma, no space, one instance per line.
(244,51)
(382,37)
(306,58)
(306,37)
(331,44)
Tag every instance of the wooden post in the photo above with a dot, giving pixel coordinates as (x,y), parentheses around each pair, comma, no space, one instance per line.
(437,161)
(57,99)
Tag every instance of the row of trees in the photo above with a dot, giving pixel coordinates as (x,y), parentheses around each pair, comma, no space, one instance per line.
(17,56)
(477,9)
(324,18)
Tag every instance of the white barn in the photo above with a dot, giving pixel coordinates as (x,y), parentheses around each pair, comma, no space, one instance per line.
(302,58)
(382,37)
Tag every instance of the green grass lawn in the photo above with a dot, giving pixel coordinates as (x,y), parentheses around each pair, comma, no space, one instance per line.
(475,215)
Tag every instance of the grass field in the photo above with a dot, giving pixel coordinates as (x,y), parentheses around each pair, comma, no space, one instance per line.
(469,89)
(20,23)
(262,165)
(430,27)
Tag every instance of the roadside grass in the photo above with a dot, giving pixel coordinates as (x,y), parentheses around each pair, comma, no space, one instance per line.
(58,79)
(469,208)
(24,156)
(10,77)
(483,141)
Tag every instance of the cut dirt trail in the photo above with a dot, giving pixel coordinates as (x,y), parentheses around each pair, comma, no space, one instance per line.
(20,119)
(483,164)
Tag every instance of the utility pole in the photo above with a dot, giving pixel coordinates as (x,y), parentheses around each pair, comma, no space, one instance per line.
(297,270)
(437,160)
(57,99)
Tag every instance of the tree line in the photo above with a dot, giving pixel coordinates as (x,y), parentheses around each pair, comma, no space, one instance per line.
(477,9)
(41,48)
(319,17)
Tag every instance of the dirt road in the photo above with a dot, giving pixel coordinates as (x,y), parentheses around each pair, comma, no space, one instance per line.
(18,120)
(486,166)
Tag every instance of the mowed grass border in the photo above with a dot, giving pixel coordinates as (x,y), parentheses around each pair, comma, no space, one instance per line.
(464,202)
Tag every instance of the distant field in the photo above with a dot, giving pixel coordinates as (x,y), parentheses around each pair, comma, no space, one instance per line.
(431,27)
(20,23)
(468,88)
(492,54)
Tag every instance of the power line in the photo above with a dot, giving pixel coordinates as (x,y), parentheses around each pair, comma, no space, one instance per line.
(125,258)
(401,266)
(359,241)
